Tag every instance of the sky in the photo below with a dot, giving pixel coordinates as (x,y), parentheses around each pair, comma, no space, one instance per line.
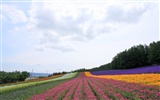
(54,36)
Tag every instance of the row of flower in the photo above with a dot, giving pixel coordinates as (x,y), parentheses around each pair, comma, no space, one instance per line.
(27,84)
(141,70)
(147,79)
(89,88)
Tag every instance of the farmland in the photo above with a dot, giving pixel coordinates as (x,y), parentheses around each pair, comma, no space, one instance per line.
(31,80)
(141,70)
(147,75)
(89,88)
(22,91)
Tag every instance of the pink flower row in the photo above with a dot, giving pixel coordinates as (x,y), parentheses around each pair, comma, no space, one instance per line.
(87,88)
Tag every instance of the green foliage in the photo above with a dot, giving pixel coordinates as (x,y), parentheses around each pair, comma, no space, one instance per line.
(154,53)
(102,67)
(136,56)
(10,77)
(80,70)
(57,73)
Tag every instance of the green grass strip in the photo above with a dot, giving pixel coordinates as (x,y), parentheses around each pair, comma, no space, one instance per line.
(25,85)
(26,93)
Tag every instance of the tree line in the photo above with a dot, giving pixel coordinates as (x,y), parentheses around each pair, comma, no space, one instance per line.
(10,77)
(58,73)
(136,56)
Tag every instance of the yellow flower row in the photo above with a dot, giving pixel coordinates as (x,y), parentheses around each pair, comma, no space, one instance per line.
(148,79)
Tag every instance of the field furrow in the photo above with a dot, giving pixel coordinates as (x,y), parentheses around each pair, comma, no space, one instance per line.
(90,88)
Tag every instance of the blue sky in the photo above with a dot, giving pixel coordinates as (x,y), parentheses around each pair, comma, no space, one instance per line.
(64,36)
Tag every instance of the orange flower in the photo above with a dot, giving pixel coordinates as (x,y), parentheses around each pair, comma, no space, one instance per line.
(147,79)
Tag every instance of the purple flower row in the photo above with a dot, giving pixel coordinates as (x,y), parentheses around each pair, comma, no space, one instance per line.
(148,69)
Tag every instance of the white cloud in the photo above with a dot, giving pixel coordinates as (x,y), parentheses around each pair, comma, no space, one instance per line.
(88,29)
(60,46)
(130,13)
(61,23)
(15,14)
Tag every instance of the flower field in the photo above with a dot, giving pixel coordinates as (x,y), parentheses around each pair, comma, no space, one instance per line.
(27,84)
(25,93)
(146,75)
(90,88)
(142,70)
(147,79)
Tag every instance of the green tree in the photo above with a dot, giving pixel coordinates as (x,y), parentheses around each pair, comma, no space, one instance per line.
(154,53)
